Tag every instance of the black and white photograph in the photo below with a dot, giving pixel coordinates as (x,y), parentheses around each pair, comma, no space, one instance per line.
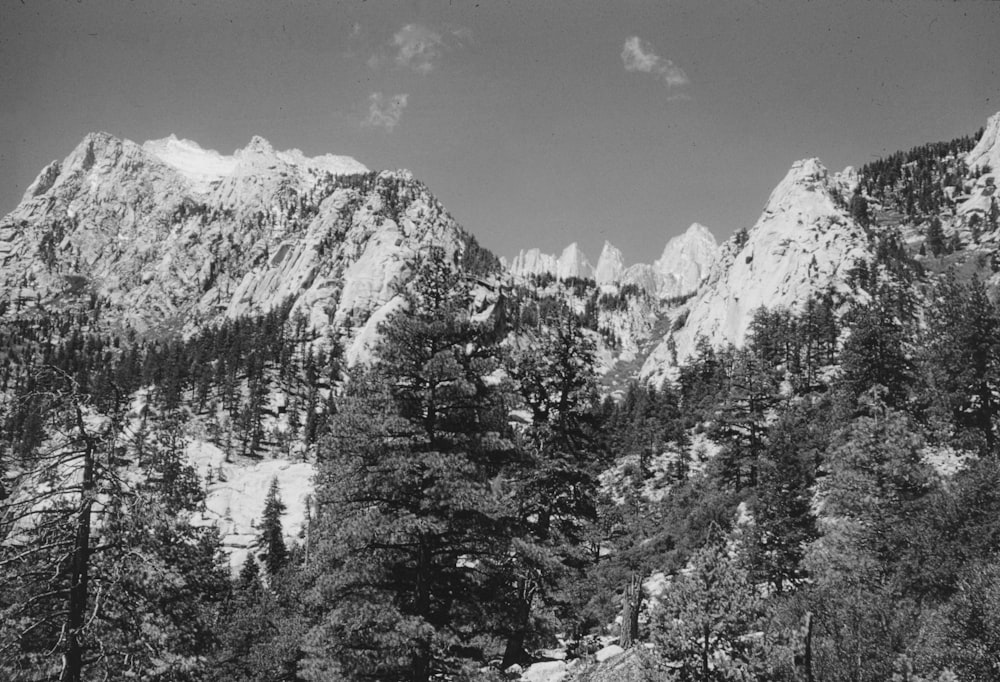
(499,341)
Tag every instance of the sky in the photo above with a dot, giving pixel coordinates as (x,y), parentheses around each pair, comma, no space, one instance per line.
(536,123)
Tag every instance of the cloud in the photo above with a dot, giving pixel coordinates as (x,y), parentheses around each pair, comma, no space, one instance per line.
(418,47)
(638,55)
(385,112)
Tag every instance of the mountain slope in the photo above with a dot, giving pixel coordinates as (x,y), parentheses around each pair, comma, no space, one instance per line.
(803,243)
(172,236)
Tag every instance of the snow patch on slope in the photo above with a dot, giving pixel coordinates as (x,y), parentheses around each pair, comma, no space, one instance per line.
(203,167)
(200,166)
(235,497)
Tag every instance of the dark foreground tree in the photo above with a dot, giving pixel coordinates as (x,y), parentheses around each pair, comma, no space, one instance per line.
(408,513)
(553,488)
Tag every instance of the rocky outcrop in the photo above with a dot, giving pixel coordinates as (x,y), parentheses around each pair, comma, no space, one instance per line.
(573,263)
(803,243)
(987,150)
(533,262)
(686,261)
(983,197)
(610,266)
(680,270)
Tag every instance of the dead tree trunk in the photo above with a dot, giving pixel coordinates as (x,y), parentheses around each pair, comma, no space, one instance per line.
(808,653)
(631,603)
(72,670)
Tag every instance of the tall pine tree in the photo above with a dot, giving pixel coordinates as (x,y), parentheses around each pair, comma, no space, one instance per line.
(272,534)
(408,512)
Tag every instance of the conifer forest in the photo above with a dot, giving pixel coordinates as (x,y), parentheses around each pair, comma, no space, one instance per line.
(818,502)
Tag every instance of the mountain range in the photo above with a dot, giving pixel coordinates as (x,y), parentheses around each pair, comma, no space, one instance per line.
(215,305)
(173,237)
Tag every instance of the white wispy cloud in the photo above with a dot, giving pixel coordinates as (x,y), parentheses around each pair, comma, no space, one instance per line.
(638,55)
(385,112)
(418,47)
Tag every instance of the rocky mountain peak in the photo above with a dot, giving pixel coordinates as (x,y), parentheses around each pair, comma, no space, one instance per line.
(805,187)
(699,231)
(100,149)
(204,168)
(803,242)
(574,263)
(610,266)
(686,261)
(172,235)
(532,262)
(259,145)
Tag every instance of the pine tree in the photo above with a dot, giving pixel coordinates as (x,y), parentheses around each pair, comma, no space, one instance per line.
(249,578)
(784,521)
(408,512)
(935,237)
(740,419)
(859,209)
(875,353)
(705,624)
(959,360)
(104,574)
(975,227)
(553,486)
(272,535)
(869,565)
(261,630)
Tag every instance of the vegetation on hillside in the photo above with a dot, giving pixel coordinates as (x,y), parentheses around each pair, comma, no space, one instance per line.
(822,503)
